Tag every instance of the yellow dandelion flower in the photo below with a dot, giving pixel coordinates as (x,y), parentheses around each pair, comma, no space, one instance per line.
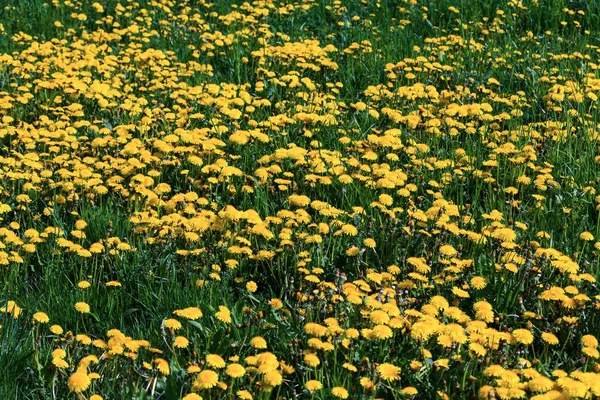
(193,369)
(181,342)
(386,200)
(478,282)
(448,251)
(540,384)
(273,378)
(84,284)
(312,360)
(350,367)
(162,366)
(192,396)
(79,382)
(313,385)
(59,353)
(523,336)
(82,307)
(12,308)
(587,236)
(572,387)
(379,317)
(353,251)
(251,286)
(192,313)
(478,349)
(60,363)
(589,341)
(215,361)
(223,315)
(56,329)
(382,332)
(83,339)
(172,324)
(206,379)
(41,317)
(235,370)
(339,392)
(388,372)
(298,200)
(244,395)
(460,293)
(591,352)
(258,342)
(367,383)
(370,243)
(276,304)
(409,391)
(349,230)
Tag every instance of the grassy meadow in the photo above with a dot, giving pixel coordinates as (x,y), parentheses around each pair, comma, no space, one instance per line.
(362,199)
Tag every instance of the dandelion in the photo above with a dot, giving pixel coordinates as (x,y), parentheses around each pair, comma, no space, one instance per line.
(251,286)
(589,341)
(56,329)
(382,332)
(370,243)
(41,317)
(83,339)
(244,395)
(298,200)
(235,370)
(206,379)
(162,366)
(477,349)
(540,384)
(192,396)
(478,282)
(193,369)
(60,363)
(79,382)
(388,372)
(258,342)
(591,352)
(522,336)
(448,251)
(379,317)
(339,392)
(12,308)
(349,230)
(276,304)
(313,385)
(223,315)
(181,342)
(172,324)
(353,251)
(273,378)
(82,307)
(312,360)
(587,236)
(192,313)
(350,367)
(367,383)
(460,293)
(215,361)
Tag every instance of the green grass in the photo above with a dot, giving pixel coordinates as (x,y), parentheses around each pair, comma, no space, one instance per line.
(483,81)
